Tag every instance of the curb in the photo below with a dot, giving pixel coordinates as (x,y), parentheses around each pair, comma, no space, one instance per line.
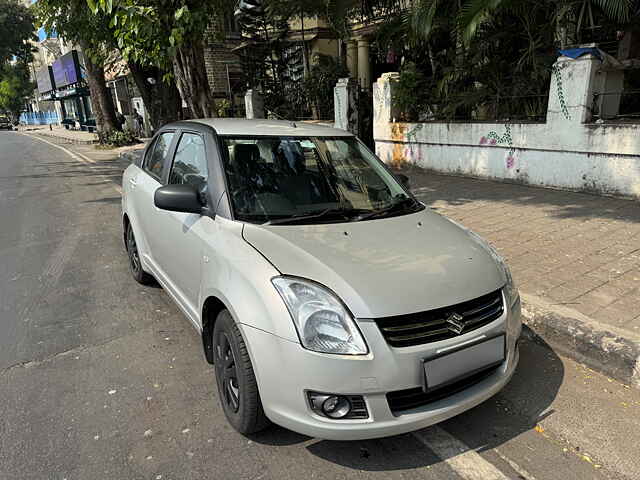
(130,156)
(602,347)
(63,139)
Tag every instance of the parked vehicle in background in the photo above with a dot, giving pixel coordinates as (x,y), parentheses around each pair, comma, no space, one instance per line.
(329,299)
(5,123)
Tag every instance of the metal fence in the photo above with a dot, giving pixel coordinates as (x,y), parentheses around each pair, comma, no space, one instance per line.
(494,108)
(39,118)
(621,105)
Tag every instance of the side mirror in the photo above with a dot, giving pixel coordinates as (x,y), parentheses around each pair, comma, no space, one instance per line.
(404,180)
(178,198)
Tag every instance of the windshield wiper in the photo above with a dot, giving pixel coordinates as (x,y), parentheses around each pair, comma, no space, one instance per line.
(340,213)
(399,206)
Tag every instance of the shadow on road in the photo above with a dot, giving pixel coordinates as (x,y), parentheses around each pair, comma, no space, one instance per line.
(513,411)
(115,200)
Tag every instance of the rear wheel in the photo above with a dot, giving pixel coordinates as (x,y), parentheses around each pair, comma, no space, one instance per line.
(237,386)
(134,259)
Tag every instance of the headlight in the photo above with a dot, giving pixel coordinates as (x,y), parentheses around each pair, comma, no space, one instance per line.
(510,289)
(324,325)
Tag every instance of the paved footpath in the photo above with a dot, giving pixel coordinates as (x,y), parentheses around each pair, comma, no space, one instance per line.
(102,378)
(575,255)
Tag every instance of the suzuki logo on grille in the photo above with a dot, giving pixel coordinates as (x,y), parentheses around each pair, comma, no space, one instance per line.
(455,323)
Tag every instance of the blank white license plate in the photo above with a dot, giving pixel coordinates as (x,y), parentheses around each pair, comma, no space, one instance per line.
(451,367)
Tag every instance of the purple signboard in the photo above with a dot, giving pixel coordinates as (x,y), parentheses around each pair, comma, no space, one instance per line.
(66,69)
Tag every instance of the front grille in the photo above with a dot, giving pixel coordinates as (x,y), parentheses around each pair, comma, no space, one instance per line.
(402,400)
(438,324)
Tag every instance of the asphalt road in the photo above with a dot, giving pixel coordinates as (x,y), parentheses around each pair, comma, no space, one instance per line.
(102,378)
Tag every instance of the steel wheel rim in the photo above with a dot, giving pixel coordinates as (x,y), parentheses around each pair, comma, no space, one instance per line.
(228,373)
(134,258)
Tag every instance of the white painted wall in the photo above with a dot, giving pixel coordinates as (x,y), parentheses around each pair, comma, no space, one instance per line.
(564,152)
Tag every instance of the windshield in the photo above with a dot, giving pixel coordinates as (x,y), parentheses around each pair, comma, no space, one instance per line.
(281,180)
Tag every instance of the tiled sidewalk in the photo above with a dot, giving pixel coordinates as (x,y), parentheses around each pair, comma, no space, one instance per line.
(577,250)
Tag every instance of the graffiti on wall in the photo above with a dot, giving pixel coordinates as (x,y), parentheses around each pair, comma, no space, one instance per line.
(492,138)
(557,73)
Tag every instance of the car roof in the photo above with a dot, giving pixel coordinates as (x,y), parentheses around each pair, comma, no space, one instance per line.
(258,127)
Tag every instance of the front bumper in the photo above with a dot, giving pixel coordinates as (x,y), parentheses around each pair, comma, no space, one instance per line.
(285,370)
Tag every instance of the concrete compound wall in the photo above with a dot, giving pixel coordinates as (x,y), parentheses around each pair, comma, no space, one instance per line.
(565,152)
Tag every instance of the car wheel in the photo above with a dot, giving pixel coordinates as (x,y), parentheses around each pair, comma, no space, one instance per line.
(134,259)
(237,386)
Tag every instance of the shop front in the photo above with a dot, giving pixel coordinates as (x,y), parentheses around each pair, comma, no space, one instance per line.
(73,94)
(77,112)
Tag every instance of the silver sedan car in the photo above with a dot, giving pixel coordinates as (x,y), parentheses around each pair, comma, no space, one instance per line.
(330,300)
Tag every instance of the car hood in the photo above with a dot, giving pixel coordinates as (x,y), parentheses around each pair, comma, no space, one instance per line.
(384,267)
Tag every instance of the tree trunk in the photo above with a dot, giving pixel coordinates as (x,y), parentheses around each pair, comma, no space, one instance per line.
(274,71)
(305,52)
(191,80)
(100,96)
(161,100)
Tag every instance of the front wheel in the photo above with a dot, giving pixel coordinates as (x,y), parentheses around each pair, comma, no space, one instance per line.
(237,386)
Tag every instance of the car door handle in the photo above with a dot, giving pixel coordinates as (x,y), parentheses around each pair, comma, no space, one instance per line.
(133,182)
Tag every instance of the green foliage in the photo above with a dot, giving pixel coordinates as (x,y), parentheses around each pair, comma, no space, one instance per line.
(223,108)
(318,86)
(503,73)
(474,13)
(16,27)
(409,93)
(76,23)
(117,138)
(15,88)
(150,32)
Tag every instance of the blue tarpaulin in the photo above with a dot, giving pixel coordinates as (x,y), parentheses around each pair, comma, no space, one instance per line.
(578,52)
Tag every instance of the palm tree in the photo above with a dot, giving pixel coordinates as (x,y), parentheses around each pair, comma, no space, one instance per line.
(475,12)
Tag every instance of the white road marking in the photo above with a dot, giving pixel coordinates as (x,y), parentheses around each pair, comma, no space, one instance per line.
(75,155)
(467,463)
(521,471)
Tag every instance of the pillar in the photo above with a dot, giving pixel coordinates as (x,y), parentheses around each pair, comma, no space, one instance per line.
(345,102)
(352,57)
(364,67)
(253,104)
(573,82)
(383,110)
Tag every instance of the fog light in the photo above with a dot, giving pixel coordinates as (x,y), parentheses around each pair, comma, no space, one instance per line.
(336,407)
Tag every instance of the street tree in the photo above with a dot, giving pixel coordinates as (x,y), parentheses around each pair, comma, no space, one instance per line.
(90,29)
(77,24)
(15,88)
(168,35)
(16,31)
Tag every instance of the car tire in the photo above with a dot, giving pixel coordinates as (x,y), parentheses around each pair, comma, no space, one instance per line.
(237,386)
(135,264)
